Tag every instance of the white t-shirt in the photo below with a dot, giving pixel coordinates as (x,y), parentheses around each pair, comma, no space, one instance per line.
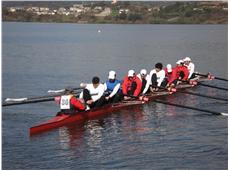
(191,69)
(160,76)
(95,93)
(148,82)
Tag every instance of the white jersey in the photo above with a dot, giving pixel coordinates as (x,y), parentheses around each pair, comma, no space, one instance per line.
(191,69)
(95,93)
(65,102)
(148,82)
(160,76)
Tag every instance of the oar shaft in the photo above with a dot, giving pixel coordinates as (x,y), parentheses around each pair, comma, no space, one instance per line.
(188,107)
(27,101)
(32,100)
(211,86)
(219,78)
(203,95)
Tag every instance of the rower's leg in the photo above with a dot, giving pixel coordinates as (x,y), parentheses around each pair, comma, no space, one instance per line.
(182,74)
(133,88)
(87,96)
(143,85)
(118,97)
(154,80)
(164,83)
(100,102)
(193,76)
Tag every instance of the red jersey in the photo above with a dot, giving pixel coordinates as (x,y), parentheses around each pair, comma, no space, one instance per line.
(183,69)
(126,86)
(172,75)
(77,104)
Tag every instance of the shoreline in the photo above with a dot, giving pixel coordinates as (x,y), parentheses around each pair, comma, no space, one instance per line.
(91,23)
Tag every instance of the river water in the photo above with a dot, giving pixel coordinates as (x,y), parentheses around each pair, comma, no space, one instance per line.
(37,57)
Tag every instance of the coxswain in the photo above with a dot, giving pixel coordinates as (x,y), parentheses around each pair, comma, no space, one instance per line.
(157,76)
(93,93)
(145,80)
(191,67)
(131,86)
(69,103)
(182,71)
(170,80)
(113,88)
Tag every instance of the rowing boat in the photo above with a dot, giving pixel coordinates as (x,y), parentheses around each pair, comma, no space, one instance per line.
(80,117)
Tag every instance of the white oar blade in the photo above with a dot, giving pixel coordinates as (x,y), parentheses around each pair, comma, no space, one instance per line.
(83,85)
(56,91)
(224,114)
(15,99)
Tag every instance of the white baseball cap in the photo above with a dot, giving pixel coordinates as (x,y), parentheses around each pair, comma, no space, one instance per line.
(112,74)
(187,59)
(180,61)
(143,72)
(169,67)
(131,73)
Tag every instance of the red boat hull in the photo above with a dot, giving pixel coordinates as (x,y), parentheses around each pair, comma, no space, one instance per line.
(80,117)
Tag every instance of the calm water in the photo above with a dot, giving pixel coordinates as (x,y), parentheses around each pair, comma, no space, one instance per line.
(37,57)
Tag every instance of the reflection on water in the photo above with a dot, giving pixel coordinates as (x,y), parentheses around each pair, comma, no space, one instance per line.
(133,120)
(70,136)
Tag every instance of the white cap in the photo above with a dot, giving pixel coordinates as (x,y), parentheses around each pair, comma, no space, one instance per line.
(131,73)
(112,74)
(187,59)
(169,67)
(180,61)
(143,72)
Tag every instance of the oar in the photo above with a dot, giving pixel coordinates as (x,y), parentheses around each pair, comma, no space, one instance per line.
(203,95)
(211,86)
(62,90)
(140,98)
(214,77)
(194,82)
(192,108)
(26,100)
(195,94)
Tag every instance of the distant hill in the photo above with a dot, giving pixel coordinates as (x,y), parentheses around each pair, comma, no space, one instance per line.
(123,12)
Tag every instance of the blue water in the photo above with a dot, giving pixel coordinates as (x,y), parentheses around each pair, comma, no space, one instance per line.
(37,57)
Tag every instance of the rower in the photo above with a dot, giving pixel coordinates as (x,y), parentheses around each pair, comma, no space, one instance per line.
(131,86)
(113,88)
(170,80)
(191,67)
(69,103)
(157,76)
(145,79)
(182,71)
(93,93)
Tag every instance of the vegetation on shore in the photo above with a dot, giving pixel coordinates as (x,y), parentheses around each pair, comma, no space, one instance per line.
(137,13)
